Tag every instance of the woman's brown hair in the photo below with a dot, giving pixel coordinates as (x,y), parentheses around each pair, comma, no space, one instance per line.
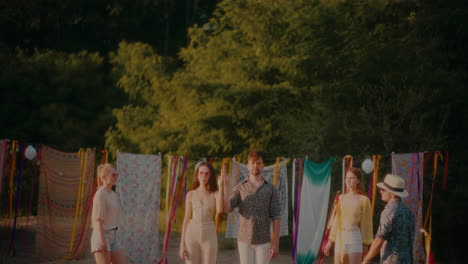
(212,185)
(357,172)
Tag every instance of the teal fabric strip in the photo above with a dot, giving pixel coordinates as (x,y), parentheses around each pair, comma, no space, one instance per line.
(318,173)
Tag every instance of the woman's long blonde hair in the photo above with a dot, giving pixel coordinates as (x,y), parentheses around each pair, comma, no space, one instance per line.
(101,169)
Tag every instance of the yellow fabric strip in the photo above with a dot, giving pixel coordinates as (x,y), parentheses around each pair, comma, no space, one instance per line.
(83,164)
(428,218)
(375,178)
(275,175)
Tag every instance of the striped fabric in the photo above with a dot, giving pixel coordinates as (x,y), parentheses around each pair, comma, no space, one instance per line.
(65,186)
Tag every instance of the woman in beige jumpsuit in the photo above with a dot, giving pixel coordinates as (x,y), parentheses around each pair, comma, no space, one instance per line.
(199,241)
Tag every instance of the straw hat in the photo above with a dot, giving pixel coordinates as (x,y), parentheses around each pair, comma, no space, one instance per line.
(394,184)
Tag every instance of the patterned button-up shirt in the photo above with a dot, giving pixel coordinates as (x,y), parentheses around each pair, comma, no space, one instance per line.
(257,206)
(396,227)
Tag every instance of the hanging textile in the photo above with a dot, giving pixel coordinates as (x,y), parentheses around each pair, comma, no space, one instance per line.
(410,168)
(240,172)
(315,194)
(11,187)
(65,185)
(3,158)
(297,170)
(331,217)
(375,178)
(427,225)
(138,186)
(32,195)
(19,177)
(177,183)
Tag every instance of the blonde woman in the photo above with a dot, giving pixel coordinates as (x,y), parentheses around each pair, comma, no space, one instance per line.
(351,229)
(104,245)
(199,241)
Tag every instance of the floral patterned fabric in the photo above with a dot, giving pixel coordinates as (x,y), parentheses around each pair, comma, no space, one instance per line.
(138,187)
(410,167)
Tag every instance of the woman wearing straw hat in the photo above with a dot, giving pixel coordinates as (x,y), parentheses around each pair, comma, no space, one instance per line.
(395,234)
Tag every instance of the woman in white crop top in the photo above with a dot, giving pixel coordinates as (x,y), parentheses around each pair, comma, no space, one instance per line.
(199,241)
(104,245)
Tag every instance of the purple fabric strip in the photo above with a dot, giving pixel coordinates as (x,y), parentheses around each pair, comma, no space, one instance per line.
(3,163)
(296,208)
(414,166)
(174,174)
(294,185)
(12,249)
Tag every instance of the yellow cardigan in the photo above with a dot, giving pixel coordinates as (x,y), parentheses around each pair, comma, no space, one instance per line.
(350,214)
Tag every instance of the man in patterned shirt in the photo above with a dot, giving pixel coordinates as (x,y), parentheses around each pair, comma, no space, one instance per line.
(395,234)
(258,203)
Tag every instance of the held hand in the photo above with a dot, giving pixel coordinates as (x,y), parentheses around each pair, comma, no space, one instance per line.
(365,250)
(326,250)
(223,179)
(273,252)
(102,246)
(183,254)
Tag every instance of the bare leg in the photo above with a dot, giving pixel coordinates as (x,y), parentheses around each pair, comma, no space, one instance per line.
(102,257)
(118,257)
(337,259)
(355,258)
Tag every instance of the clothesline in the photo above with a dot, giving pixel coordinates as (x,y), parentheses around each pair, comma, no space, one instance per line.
(266,156)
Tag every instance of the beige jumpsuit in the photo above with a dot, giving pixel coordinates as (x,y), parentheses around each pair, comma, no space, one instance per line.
(201,239)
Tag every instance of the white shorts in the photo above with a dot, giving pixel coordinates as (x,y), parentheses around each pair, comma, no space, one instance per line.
(111,240)
(352,242)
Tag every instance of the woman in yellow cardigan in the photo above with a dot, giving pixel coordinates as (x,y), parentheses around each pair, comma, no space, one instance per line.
(351,229)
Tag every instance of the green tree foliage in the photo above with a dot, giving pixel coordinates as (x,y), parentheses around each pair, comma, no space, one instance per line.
(302,77)
(323,78)
(100,25)
(64,100)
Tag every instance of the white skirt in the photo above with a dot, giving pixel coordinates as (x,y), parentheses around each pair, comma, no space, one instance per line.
(352,242)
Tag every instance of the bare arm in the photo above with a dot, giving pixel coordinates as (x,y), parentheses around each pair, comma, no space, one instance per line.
(102,239)
(274,246)
(219,195)
(374,250)
(188,215)
(224,185)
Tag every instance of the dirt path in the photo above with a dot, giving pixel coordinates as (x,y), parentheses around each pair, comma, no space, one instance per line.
(25,254)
